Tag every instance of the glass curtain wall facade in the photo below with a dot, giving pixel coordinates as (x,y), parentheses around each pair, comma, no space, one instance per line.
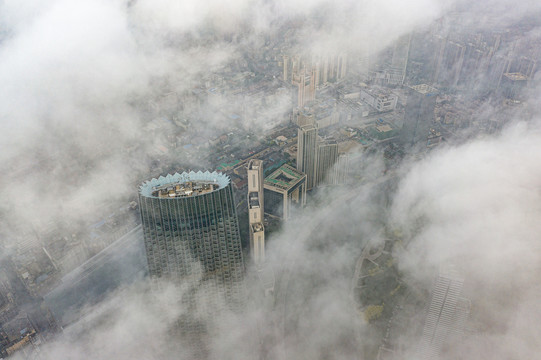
(307,153)
(418,116)
(192,237)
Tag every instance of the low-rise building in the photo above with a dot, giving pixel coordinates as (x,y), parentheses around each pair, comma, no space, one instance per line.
(380,99)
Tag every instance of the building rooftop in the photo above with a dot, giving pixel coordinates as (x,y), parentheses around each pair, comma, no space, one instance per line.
(308,127)
(185,189)
(254,164)
(425,89)
(381,93)
(187,184)
(516,76)
(285,177)
(383,128)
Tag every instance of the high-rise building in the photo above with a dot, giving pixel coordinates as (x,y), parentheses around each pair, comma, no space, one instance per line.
(255,211)
(399,61)
(512,85)
(192,238)
(317,158)
(418,116)
(339,172)
(284,188)
(307,153)
(306,86)
(285,60)
(447,314)
(326,158)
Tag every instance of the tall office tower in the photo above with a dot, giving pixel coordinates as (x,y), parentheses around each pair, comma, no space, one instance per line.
(316,75)
(342,66)
(399,61)
(339,172)
(438,45)
(527,67)
(475,66)
(285,59)
(307,153)
(450,62)
(325,77)
(306,86)
(512,85)
(192,238)
(447,314)
(418,116)
(498,66)
(284,188)
(295,65)
(329,68)
(255,211)
(326,158)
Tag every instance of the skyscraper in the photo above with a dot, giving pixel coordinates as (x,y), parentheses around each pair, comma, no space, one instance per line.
(255,211)
(447,314)
(192,238)
(339,172)
(399,61)
(307,153)
(317,157)
(418,116)
(305,81)
(285,59)
(326,158)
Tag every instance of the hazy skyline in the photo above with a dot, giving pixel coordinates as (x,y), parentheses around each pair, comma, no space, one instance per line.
(77,77)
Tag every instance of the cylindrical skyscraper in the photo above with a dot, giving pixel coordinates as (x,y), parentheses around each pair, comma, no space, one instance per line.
(192,238)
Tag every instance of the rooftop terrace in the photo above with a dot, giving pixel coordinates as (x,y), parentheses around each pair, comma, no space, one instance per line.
(184,185)
(189,188)
(285,177)
(425,89)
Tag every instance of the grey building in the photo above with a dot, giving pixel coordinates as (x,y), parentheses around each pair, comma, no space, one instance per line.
(255,211)
(338,174)
(418,116)
(512,85)
(326,159)
(380,99)
(283,189)
(447,314)
(317,158)
(192,238)
(307,142)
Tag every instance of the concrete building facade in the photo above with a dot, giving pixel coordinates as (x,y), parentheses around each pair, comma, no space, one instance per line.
(255,211)
(284,189)
(306,86)
(326,159)
(307,143)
